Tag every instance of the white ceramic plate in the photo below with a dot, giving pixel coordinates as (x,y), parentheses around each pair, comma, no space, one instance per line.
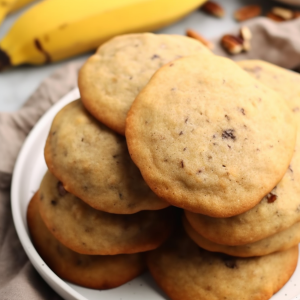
(29,170)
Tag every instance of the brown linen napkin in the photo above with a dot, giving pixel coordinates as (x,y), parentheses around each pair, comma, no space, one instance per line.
(18,278)
(278,43)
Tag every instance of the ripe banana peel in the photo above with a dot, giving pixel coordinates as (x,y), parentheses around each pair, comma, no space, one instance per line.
(53,30)
(10,6)
(19,4)
(5,8)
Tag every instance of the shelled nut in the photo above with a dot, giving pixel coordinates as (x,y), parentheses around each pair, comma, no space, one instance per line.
(283,13)
(213,8)
(245,33)
(274,17)
(195,35)
(232,44)
(296,14)
(247,12)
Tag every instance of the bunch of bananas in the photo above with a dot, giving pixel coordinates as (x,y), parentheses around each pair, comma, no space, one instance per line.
(52,30)
(10,6)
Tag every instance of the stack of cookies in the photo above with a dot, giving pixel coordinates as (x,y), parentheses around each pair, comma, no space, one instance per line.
(99,213)
(273,224)
(201,135)
(94,214)
(212,140)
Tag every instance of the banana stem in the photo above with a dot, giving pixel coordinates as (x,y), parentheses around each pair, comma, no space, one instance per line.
(4,60)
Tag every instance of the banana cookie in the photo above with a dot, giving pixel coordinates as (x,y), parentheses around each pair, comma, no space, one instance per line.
(283,81)
(86,270)
(208,137)
(93,163)
(111,79)
(89,231)
(280,241)
(280,209)
(186,272)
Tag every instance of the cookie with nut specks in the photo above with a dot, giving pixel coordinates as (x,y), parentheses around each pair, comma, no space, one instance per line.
(89,231)
(280,209)
(281,80)
(280,241)
(93,163)
(208,137)
(111,78)
(90,271)
(187,272)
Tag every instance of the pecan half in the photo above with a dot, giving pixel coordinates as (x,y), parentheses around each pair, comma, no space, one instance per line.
(197,36)
(271,198)
(273,17)
(232,44)
(246,46)
(245,33)
(247,12)
(283,13)
(214,9)
(296,14)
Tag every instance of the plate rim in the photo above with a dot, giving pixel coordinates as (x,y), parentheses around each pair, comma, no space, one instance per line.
(56,283)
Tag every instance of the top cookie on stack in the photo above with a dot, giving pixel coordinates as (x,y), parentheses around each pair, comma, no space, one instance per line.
(209,138)
(111,79)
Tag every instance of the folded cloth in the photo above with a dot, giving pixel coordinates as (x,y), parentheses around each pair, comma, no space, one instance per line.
(274,42)
(18,278)
(277,43)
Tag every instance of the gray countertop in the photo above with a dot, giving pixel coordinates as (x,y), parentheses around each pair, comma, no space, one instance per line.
(17,84)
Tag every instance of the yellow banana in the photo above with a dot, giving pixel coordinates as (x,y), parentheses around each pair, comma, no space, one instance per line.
(53,30)
(5,8)
(10,6)
(19,4)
